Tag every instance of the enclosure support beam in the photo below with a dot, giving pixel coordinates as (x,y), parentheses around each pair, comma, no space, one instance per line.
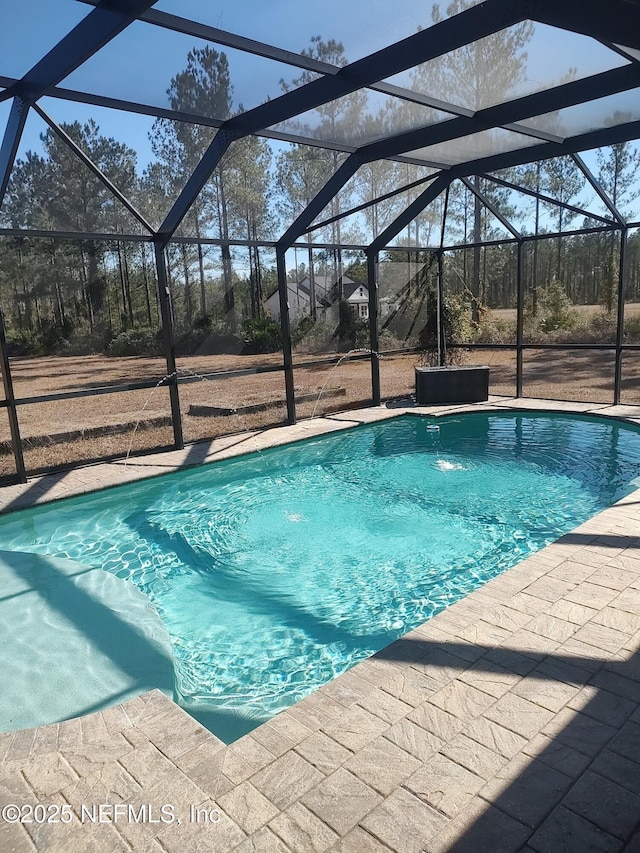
(365,205)
(317,204)
(168,344)
(10,142)
(617,21)
(486,201)
(372,285)
(548,150)
(473,23)
(442,353)
(595,183)
(447,35)
(622,282)
(540,197)
(16,441)
(285,326)
(507,115)
(92,166)
(520,317)
(99,27)
(201,174)
(409,213)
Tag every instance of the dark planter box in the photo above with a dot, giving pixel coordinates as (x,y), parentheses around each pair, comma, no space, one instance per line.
(451,385)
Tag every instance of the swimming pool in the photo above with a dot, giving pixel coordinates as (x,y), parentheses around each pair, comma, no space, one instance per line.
(274,572)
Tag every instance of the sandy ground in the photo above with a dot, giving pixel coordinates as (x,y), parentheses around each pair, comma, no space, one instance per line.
(571,375)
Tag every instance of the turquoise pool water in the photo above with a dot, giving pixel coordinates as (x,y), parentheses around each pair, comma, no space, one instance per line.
(274,572)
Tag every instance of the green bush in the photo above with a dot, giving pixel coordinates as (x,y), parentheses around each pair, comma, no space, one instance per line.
(22,342)
(261,334)
(556,307)
(352,332)
(203,321)
(387,340)
(54,338)
(632,329)
(192,340)
(456,324)
(301,329)
(601,329)
(208,335)
(85,341)
(320,335)
(48,339)
(142,341)
(494,330)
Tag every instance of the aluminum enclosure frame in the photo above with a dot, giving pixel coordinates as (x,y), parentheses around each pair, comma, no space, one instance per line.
(619,23)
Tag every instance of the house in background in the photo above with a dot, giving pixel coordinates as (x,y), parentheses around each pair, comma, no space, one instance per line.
(326,295)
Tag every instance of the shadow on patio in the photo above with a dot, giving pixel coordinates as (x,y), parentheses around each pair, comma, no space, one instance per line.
(573,787)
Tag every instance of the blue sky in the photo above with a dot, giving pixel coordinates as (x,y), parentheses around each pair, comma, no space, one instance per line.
(129,67)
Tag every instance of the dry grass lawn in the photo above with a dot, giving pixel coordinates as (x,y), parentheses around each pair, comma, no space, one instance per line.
(573,375)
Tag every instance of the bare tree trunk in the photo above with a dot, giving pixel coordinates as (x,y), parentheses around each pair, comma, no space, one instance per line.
(558,275)
(313,305)
(122,285)
(62,319)
(534,290)
(127,284)
(253,302)
(120,313)
(258,269)
(27,299)
(85,290)
(203,293)
(170,285)
(227,272)
(187,286)
(109,312)
(145,279)
(477,236)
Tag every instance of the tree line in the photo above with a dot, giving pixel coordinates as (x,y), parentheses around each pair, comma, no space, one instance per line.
(86,293)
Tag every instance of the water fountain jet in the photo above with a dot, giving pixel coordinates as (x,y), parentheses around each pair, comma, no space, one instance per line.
(359,350)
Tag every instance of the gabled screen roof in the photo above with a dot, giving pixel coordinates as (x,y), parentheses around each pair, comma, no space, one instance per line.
(448,85)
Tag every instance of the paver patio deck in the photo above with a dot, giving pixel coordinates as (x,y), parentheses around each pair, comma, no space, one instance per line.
(510,721)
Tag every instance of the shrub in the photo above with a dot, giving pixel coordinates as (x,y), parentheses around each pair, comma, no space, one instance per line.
(301,328)
(261,334)
(142,341)
(601,329)
(208,335)
(203,321)
(84,341)
(54,338)
(387,340)
(22,342)
(456,325)
(320,335)
(632,329)
(352,332)
(192,340)
(556,307)
(494,330)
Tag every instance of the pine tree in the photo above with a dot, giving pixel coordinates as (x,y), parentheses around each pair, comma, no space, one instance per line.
(482,73)
(618,167)
(202,88)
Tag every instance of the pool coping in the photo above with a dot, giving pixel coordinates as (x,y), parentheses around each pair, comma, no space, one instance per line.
(529,685)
